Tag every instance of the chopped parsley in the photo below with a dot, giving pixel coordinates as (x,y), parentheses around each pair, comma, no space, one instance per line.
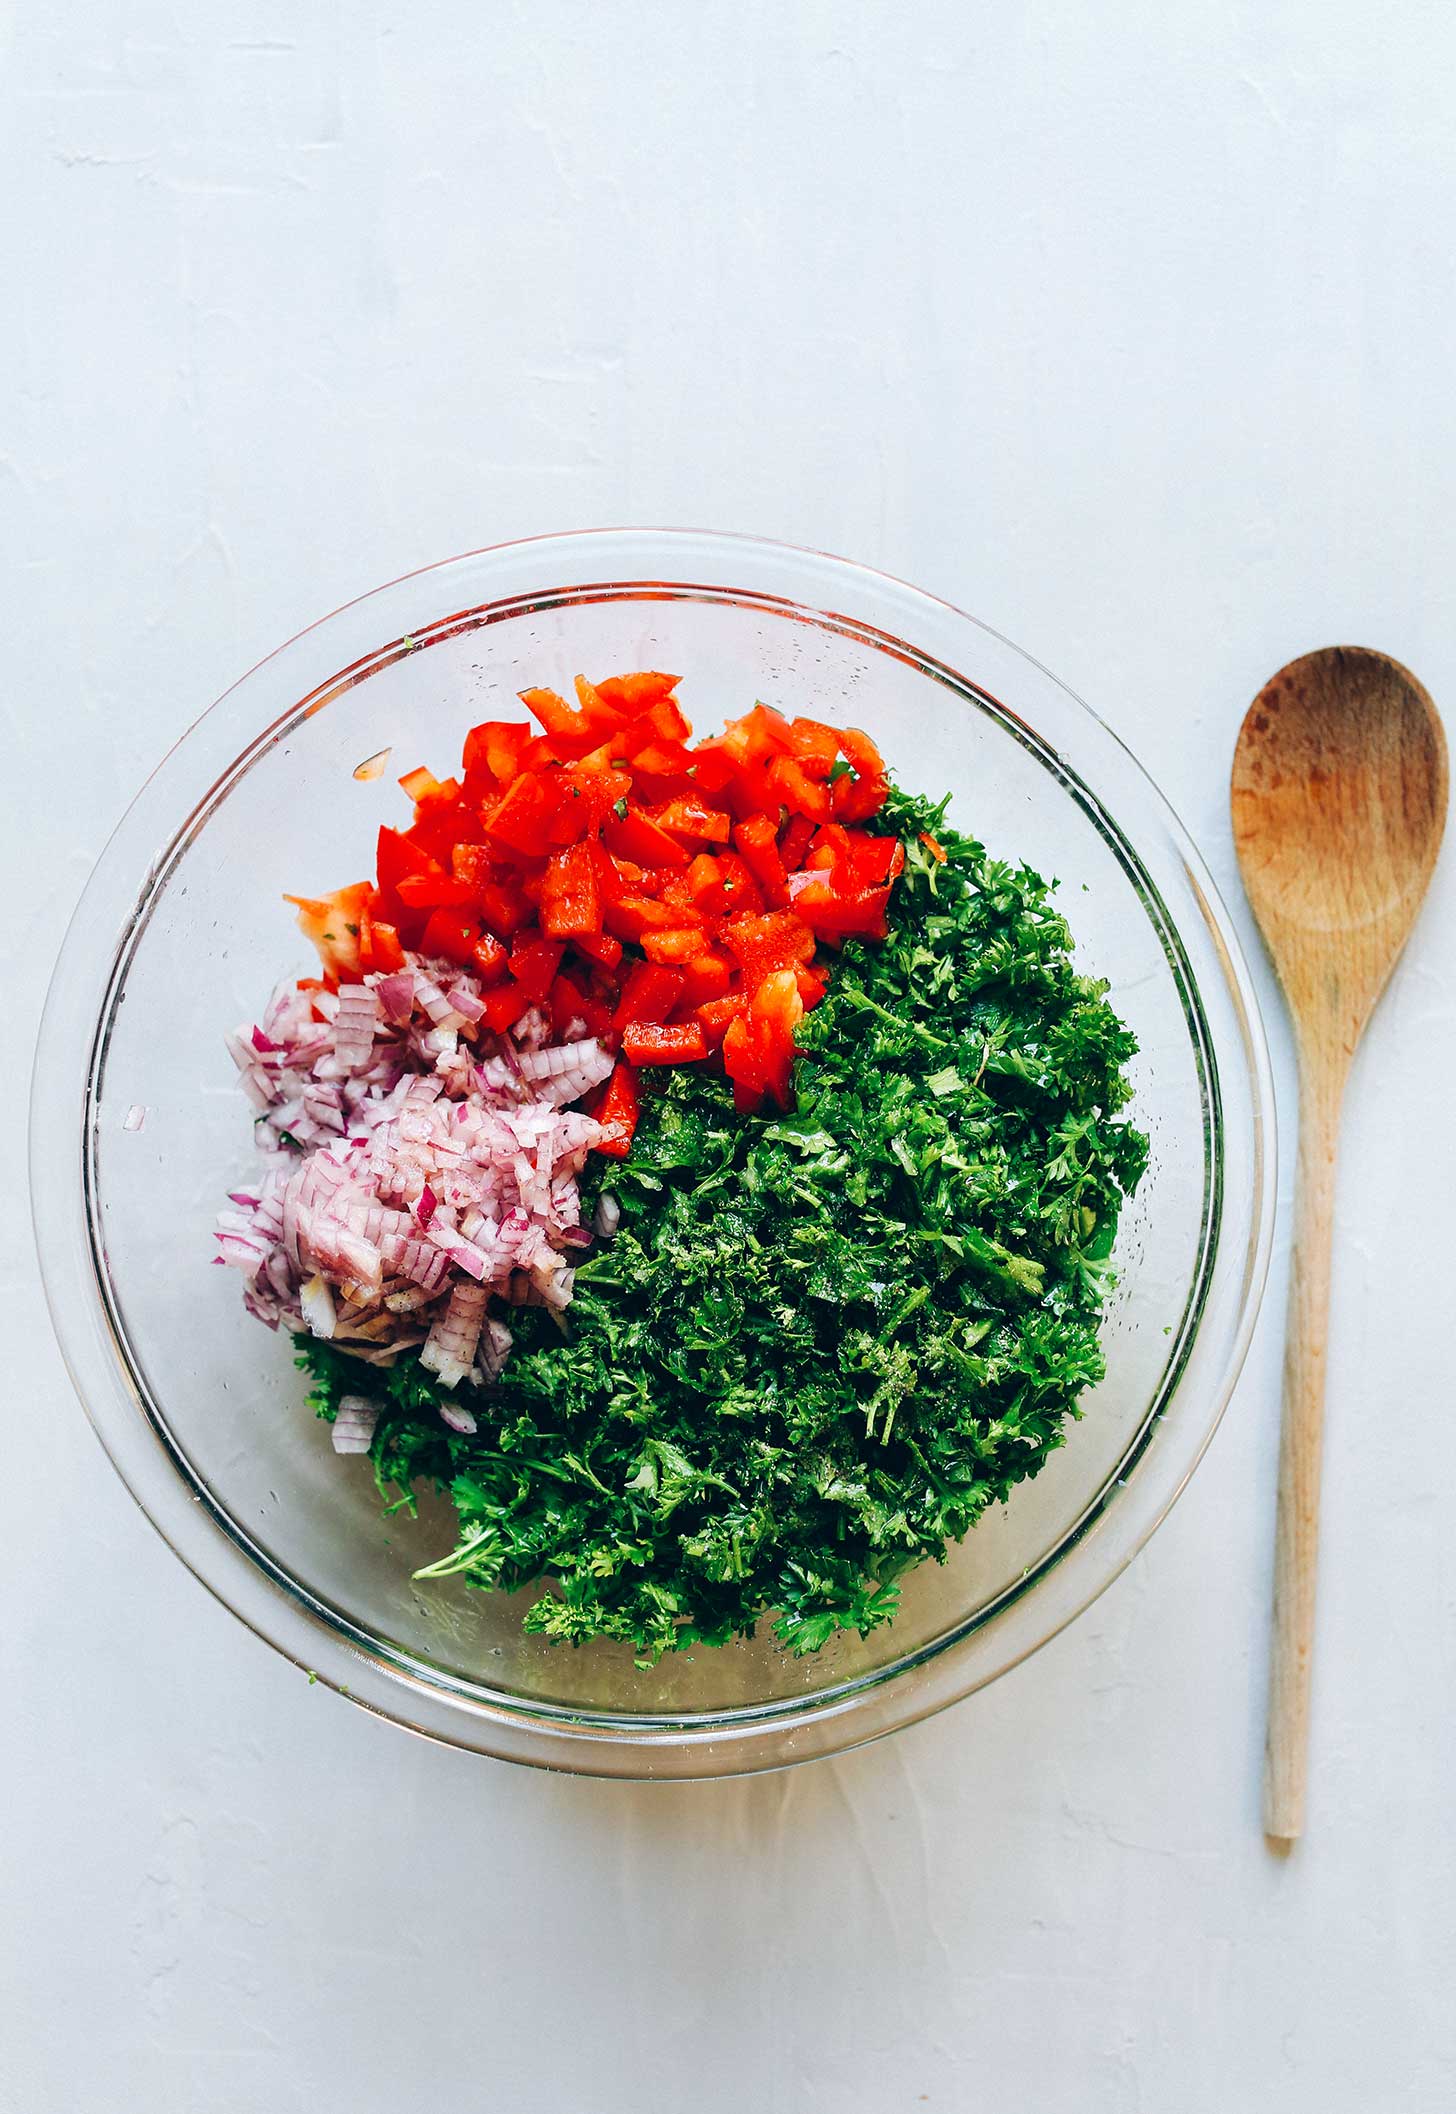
(822,1344)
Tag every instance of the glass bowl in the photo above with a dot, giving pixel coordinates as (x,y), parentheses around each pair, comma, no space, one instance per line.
(182,932)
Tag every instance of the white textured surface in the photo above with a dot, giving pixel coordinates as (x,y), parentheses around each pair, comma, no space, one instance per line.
(1128,328)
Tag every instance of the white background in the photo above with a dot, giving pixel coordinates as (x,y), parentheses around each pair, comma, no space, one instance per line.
(1129,327)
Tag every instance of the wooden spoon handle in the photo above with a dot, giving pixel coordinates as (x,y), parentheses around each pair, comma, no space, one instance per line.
(1301,1443)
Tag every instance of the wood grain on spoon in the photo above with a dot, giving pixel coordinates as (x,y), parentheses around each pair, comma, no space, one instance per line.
(1339,800)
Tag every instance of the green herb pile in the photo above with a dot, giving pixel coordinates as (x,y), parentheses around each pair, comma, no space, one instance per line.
(821,1344)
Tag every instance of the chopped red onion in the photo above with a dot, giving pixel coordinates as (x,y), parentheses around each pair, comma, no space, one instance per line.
(353,1427)
(414,1167)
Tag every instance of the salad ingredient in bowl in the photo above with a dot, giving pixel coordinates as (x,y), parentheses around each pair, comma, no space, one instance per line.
(700,1163)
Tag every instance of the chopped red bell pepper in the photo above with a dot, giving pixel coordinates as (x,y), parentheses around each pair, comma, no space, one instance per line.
(705,977)
(617,1113)
(521,820)
(795,841)
(488,958)
(505,1005)
(634,915)
(452,933)
(800,794)
(434,891)
(762,945)
(718,1015)
(637,837)
(673,943)
(420,783)
(816,746)
(757,843)
(651,991)
(758,735)
(603,947)
(396,859)
(571,1000)
(653,1042)
(571,902)
(692,818)
(379,945)
(495,747)
(836,914)
(636,692)
(534,962)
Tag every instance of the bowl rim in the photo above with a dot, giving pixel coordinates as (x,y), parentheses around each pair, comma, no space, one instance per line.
(278,1607)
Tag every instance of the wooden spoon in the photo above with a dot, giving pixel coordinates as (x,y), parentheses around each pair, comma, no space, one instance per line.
(1339,801)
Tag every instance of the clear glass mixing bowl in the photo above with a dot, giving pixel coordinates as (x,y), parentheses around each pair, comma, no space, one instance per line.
(181,933)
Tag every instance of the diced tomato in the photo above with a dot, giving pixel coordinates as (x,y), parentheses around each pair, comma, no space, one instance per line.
(652,1042)
(602,947)
(932,845)
(488,958)
(651,991)
(505,1005)
(453,933)
(420,783)
(571,902)
(757,843)
(534,963)
(795,841)
(637,837)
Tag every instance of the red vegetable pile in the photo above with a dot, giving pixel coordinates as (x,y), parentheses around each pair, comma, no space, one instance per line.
(670,899)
